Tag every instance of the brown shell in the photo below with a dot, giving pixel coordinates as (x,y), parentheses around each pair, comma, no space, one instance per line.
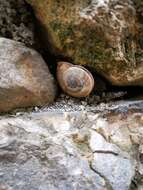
(74,80)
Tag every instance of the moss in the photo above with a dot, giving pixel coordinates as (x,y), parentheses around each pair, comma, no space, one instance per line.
(55,25)
(63,31)
(91,43)
(66,32)
(82,43)
(91,52)
(89,49)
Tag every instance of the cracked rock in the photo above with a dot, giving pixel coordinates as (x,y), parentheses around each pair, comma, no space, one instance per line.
(56,150)
(99,144)
(116,170)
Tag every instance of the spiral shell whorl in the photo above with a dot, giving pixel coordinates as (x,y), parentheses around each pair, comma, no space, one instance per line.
(74,80)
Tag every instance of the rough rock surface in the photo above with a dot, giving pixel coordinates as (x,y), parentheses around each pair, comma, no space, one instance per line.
(73,151)
(105,35)
(16,21)
(25,79)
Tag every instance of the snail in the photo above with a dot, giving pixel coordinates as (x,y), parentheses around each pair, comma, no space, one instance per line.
(74,80)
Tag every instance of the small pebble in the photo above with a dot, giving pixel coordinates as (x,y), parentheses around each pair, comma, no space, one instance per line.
(91,103)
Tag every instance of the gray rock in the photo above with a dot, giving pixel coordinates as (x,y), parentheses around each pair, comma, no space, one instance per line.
(36,153)
(56,150)
(117,171)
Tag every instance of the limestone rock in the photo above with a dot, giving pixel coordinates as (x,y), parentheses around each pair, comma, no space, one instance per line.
(25,79)
(54,150)
(104,35)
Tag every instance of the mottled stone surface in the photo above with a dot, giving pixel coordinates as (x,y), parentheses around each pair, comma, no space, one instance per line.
(73,151)
(16,21)
(25,79)
(102,34)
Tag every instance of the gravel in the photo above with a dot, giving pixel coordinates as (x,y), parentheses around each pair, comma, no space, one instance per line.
(68,104)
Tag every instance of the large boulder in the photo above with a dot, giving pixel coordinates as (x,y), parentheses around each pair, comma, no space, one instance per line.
(25,79)
(102,34)
(73,151)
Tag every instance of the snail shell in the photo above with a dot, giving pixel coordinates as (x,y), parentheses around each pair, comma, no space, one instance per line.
(74,80)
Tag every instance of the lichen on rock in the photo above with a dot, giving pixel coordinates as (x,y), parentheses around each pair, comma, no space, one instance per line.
(100,34)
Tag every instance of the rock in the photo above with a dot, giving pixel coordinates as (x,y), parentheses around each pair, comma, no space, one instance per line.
(104,35)
(25,79)
(74,150)
(117,171)
(16,21)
